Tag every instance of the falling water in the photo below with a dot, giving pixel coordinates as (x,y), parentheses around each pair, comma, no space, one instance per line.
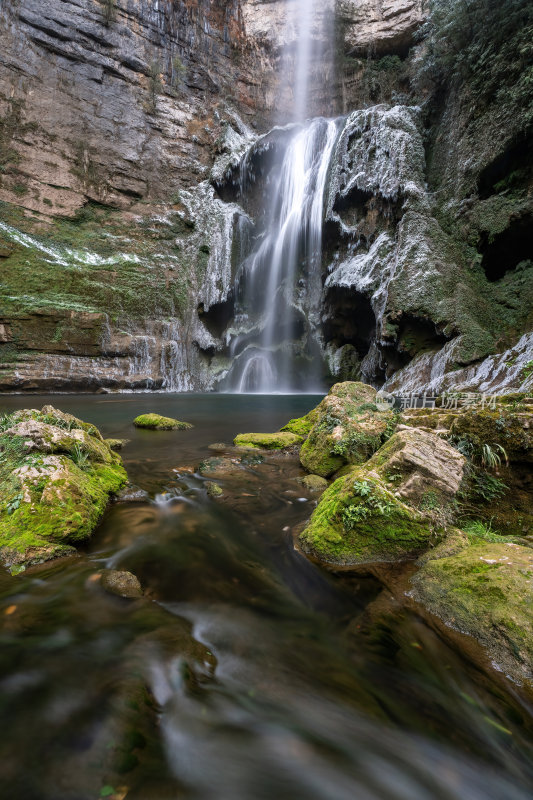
(274,342)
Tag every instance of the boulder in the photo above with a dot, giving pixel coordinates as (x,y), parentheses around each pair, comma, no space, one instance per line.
(121,583)
(360,521)
(54,487)
(348,428)
(314,483)
(155,422)
(416,463)
(485,590)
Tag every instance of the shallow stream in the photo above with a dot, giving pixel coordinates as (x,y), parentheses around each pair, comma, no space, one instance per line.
(246,673)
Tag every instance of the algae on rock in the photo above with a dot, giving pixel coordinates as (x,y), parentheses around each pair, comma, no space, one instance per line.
(348,429)
(155,422)
(486,591)
(56,478)
(359,520)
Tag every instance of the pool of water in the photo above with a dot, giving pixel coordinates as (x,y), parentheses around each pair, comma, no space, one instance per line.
(246,672)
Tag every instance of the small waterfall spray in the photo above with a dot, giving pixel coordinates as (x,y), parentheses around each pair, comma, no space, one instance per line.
(274,342)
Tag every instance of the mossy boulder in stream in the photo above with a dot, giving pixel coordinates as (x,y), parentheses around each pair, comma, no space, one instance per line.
(155,422)
(56,478)
(360,521)
(486,591)
(268,441)
(348,428)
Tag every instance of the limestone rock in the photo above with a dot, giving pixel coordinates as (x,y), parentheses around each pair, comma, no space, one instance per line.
(348,429)
(360,521)
(383,26)
(418,462)
(486,591)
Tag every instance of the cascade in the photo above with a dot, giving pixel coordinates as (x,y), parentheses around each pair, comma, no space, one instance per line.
(274,340)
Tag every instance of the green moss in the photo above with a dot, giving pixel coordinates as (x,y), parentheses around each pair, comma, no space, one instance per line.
(48,501)
(485,590)
(155,422)
(358,520)
(268,441)
(301,426)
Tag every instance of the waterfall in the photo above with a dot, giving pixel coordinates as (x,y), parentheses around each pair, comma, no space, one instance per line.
(274,341)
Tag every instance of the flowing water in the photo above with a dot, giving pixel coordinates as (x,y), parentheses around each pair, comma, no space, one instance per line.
(279,282)
(246,672)
(274,341)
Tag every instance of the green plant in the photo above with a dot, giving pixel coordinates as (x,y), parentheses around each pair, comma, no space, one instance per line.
(14,503)
(6,421)
(429,501)
(154,86)
(80,457)
(490,455)
(527,370)
(179,70)
(486,487)
(372,505)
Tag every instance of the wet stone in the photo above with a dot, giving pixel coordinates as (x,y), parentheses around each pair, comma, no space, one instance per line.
(123,584)
(213,489)
(314,483)
(132,494)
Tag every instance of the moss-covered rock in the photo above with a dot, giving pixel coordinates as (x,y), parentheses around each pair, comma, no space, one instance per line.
(116,444)
(268,441)
(418,463)
(360,521)
(486,591)
(155,422)
(503,429)
(314,483)
(54,487)
(301,426)
(43,437)
(213,489)
(348,428)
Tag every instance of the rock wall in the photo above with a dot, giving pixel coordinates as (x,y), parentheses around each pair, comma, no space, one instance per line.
(121,120)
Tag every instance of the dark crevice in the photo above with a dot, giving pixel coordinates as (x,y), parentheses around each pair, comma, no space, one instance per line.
(349,319)
(511,170)
(217,318)
(506,250)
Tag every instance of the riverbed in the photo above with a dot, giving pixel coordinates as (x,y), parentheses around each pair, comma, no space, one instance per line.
(245,672)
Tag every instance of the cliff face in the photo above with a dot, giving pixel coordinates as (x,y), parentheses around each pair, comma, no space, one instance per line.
(121,122)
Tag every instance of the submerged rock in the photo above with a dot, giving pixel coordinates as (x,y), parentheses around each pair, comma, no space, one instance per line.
(217,466)
(486,591)
(348,428)
(155,422)
(121,583)
(54,485)
(268,441)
